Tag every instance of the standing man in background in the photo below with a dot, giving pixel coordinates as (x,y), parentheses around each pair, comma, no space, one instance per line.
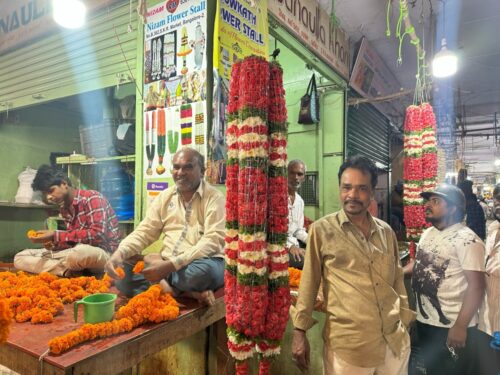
(357,257)
(475,218)
(448,281)
(297,234)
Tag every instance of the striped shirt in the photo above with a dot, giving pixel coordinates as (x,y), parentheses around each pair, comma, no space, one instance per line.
(489,315)
(89,220)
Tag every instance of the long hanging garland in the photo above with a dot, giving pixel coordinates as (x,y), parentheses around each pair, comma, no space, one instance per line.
(256,277)
(419,169)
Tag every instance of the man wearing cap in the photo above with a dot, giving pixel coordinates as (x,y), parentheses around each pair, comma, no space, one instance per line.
(448,281)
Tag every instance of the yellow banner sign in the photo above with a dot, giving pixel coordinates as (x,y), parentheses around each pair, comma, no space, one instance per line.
(241,29)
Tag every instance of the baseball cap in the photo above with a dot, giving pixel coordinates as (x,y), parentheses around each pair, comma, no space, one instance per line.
(450,193)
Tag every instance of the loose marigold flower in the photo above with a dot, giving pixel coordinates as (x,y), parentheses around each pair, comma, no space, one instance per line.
(120,272)
(139,266)
(295,275)
(31,233)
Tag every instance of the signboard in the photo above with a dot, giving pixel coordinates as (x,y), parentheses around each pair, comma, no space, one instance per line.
(311,24)
(22,21)
(241,29)
(175,65)
(371,78)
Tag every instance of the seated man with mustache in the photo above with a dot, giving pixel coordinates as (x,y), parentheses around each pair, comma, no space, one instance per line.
(91,234)
(191,217)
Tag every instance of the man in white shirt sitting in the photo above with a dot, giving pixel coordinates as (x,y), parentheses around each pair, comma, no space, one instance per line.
(297,234)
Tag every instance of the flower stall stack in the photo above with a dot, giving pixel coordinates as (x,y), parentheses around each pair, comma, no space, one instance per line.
(256,275)
(420,167)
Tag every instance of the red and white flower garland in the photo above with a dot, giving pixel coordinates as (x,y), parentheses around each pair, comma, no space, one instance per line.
(420,167)
(256,276)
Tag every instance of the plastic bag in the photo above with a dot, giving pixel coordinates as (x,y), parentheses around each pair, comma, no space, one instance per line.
(25,193)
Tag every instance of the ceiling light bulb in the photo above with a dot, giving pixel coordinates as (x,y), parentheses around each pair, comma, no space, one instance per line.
(445,62)
(69,13)
(497,162)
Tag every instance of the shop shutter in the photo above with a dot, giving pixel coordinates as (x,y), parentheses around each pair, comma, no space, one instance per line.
(368,133)
(70,62)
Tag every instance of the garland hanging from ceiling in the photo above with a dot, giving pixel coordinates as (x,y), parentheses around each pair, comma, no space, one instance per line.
(257,293)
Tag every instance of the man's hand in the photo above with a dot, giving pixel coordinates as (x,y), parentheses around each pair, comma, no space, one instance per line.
(116,260)
(300,350)
(297,253)
(43,236)
(156,269)
(457,335)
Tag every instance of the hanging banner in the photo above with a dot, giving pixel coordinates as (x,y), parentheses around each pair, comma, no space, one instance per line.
(174,82)
(311,24)
(241,29)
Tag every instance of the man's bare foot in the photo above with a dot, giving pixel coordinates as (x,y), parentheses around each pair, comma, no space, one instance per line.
(206,297)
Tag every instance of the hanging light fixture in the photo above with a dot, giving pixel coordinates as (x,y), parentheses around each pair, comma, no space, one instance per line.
(445,62)
(69,13)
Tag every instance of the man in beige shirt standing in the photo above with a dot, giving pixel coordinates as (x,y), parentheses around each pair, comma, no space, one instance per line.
(357,257)
(190,216)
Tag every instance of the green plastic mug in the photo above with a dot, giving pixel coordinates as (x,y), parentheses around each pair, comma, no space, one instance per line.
(97,308)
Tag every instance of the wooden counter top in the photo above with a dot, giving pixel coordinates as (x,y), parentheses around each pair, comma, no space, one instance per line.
(28,342)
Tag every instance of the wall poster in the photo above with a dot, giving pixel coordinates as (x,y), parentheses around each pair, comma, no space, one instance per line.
(175,89)
(241,29)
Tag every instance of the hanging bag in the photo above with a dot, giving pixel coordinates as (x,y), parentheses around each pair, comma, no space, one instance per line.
(309,104)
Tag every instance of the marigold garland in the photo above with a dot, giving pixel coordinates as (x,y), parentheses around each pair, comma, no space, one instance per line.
(150,306)
(256,277)
(38,298)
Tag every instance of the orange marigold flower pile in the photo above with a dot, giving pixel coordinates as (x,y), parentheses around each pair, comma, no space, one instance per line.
(38,298)
(5,319)
(139,266)
(295,274)
(149,306)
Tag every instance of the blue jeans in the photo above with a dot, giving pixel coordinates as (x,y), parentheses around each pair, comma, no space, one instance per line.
(201,274)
